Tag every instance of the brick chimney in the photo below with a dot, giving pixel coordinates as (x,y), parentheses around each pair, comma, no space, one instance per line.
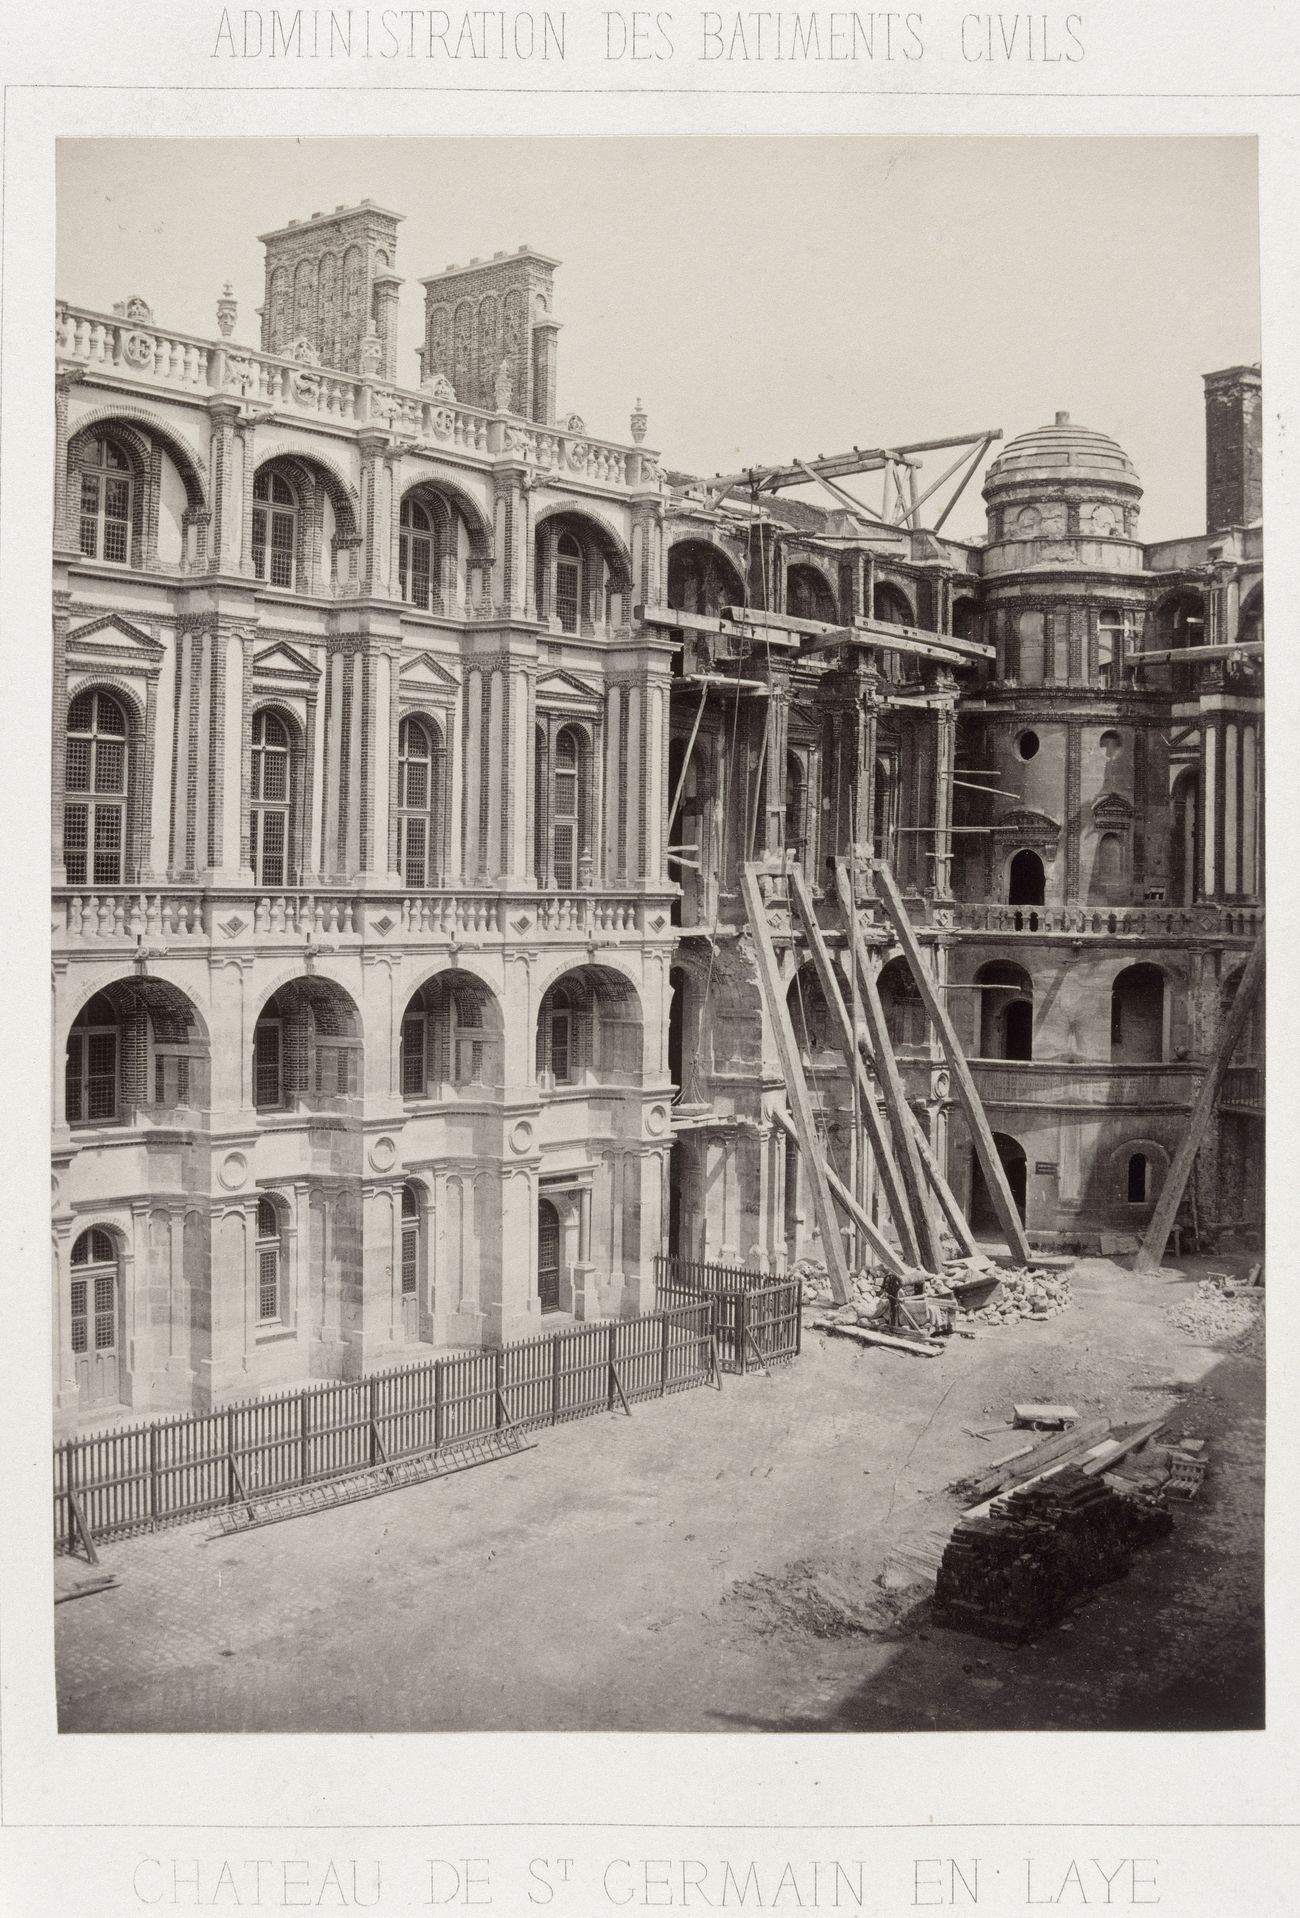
(331,289)
(488,328)
(1233,448)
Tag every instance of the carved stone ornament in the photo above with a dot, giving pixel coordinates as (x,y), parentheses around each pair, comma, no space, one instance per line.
(577,454)
(441,422)
(372,355)
(639,422)
(439,387)
(240,375)
(302,351)
(137,349)
(1112,809)
(503,387)
(227,311)
(1028,829)
(574,423)
(306,387)
(135,309)
(382,1155)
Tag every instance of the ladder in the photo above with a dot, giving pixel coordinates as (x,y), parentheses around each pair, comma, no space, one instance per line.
(458,1455)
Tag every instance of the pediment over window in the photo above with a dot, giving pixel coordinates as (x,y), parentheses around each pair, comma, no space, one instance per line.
(426,674)
(113,640)
(284,664)
(1112,809)
(1028,828)
(563,689)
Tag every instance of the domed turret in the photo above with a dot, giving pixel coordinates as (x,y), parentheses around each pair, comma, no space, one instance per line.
(1062,481)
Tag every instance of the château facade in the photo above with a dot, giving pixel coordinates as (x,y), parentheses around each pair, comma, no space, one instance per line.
(402,994)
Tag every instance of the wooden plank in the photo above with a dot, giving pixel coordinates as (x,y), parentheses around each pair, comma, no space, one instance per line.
(922,1348)
(1123,1447)
(901,1193)
(880,1245)
(901,1117)
(796,1086)
(1152,1249)
(1099,1455)
(982,1137)
(947,1198)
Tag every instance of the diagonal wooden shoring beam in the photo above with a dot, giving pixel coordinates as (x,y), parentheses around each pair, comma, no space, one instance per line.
(897,1195)
(1152,1249)
(903,516)
(948,472)
(965,479)
(796,1085)
(885,1062)
(686,762)
(981,1136)
(856,506)
(879,1244)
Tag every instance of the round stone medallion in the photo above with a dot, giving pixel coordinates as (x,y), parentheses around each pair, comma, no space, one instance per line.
(233,1171)
(383,1154)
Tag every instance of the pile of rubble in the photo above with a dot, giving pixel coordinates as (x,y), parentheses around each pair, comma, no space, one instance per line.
(981,1293)
(1214,1317)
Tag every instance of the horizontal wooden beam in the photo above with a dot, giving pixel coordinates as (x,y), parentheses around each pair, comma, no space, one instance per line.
(1196,655)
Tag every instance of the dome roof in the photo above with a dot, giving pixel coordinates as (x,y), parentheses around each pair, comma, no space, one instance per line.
(1062,451)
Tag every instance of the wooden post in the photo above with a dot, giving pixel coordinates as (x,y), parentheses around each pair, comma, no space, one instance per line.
(153,1475)
(304,1437)
(985,1150)
(792,1070)
(498,1382)
(439,1409)
(664,1349)
(880,1245)
(898,1195)
(901,1117)
(1152,1249)
(943,1191)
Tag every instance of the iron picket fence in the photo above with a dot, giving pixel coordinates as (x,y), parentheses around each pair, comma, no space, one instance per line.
(141,1477)
(757,1318)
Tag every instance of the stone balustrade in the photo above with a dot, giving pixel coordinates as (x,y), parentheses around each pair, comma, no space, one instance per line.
(179,915)
(178,362)
(1210,922)
(1058,1082)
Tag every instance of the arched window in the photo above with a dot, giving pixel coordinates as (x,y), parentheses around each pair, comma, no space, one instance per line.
(795,787)
(1026,881)
(807,596)
(905,1016)
(548,1256)
(1139,1179)
(268,1058)
(94,825)
(410,1258)
(93,1078)
(270,1264)
(94,1318)
(306,1046)
(272,797)
(107,488)
(417,554)
(1109,871)
(275,529)
(568,582)
(891,604)
(1006,1011)
(419,799)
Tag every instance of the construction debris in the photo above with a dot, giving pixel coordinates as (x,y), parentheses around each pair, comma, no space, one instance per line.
(924,1348)
(1026,1293)
(1016,1572)
(1043,1418)
(1214,1317)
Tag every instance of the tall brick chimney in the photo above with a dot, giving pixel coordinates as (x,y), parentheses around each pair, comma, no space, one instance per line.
(488,328)
(330,287)
(1233,448)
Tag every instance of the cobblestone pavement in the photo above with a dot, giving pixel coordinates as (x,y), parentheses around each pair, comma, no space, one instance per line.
(608,1578)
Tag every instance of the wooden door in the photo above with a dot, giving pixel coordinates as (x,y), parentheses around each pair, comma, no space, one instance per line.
(95,1321)
(548,1256)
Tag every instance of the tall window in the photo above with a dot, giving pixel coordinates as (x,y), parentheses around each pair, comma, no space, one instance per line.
(560,1037)
(93,1317)
(106,500)
(418,794)
(415,1054)
(271,799)
(93,1068)
(410,1243)
(268,1058)
(275,529)
(564,806)
(568,582)
(417,551)
(94,827)
(269,1262)
(1111,628)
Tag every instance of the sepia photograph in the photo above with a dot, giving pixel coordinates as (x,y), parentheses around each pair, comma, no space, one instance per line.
(657,839)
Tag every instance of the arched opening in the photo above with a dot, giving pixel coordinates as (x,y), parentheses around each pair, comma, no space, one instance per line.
(1139,1179)
(1137,1016)
(810,1016)
(1006,1011)
(796,789)
(97,849)
(136,1051)
(905,1016)
(589,1030)
(807,595)
(306,1048)
(451,1037)
(966,623)
(701,579)
(276,514)
(420,806)
(1108,878)
(579,573)
(983,1215)
(1184,867)
(677,989)
(412,1259)
(107,499)
(1180,628)
(1250,626)
(891,604)
(562,807)
(1026,880)
(548,1256)
(268,1252)
(884,819)
(95,1319)
(419,556)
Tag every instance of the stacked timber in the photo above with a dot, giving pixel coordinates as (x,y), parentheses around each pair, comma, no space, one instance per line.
(1016,1571)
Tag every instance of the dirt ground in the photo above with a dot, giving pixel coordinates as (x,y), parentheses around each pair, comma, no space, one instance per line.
(712,1564)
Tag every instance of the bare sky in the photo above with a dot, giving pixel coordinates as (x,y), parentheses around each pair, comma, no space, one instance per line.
(767,298)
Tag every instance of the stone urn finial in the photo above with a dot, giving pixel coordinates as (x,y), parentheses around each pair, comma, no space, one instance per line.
(640,420)
(227,311)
